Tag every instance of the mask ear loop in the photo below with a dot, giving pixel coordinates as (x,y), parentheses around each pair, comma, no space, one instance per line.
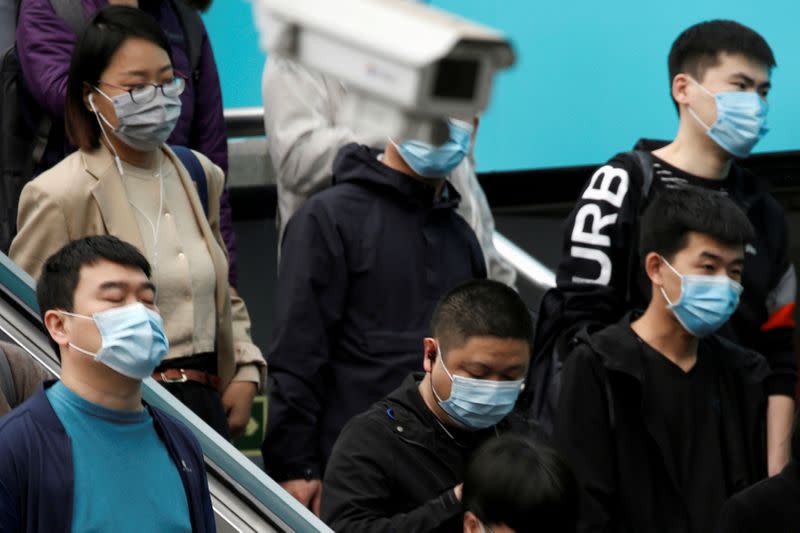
(73,346)
(441,361)
(680,276)
(692,111)
(98,115)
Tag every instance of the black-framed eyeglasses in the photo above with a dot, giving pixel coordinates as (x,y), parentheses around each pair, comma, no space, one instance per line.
(145,92)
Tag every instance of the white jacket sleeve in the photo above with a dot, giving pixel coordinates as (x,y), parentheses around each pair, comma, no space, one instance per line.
(474,208)
(300,108)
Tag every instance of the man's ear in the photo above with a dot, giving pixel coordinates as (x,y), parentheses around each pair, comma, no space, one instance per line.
(56,327)
(471,523)
(653,266)
(430,348)
(680,88)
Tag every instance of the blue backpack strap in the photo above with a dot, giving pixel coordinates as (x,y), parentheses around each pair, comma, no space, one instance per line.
(195,169)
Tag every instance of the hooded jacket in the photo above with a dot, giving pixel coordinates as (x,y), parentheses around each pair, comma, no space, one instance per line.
(36,472)
(614,436)
(598,280)
(394,467)
(304,128)
(363,265)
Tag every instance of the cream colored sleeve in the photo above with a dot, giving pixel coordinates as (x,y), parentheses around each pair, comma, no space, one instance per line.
(250,362)
(41,229)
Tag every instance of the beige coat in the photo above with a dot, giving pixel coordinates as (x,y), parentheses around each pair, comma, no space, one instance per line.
(84,195)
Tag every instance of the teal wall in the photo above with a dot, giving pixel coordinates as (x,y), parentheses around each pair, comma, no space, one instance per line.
(591,77)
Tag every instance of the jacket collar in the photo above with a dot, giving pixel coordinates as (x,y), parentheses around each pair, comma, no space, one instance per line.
(359,164)
(111,197)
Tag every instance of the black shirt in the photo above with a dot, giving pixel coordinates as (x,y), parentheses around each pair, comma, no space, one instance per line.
(689,403)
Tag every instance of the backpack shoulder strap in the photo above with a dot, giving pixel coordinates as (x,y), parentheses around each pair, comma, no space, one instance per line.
(645,161)
(9,390)
(193,32)
(71,11)
(195,169)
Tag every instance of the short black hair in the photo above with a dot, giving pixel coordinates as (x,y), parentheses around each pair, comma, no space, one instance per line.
(674,213)
(481,308)
(61,272)
(525,485)
(100,39)
(699,47)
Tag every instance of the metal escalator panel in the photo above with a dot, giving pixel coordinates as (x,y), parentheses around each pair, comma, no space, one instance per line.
(245,499)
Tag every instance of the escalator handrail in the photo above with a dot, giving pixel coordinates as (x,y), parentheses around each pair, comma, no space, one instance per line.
(525,264)
(18,283)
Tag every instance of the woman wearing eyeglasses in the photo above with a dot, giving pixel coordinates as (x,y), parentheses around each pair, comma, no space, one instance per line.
(123,101)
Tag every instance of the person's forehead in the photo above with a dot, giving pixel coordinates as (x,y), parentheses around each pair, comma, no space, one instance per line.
(488,349)
(699,245)
(729,64)
(95,275)
(137,52)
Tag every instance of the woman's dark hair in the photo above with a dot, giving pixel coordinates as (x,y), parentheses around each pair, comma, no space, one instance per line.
(524,485)
(103,35)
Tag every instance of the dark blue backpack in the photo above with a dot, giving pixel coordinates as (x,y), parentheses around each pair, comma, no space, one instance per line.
(196,171)
(556,337)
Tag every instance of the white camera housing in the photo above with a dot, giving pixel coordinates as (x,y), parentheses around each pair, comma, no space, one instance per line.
(416,59)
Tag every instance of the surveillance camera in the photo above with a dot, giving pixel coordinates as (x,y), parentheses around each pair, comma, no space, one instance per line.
(412,57)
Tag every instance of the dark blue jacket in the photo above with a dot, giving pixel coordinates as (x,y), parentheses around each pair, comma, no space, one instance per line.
(363,264)
(36,476)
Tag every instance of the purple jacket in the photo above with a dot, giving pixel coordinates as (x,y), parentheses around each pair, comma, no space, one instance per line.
(45,44)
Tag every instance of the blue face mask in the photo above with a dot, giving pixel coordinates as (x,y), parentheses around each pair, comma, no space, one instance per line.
(741,120)
(134,342)
(437,161)
(706,302)
(478,403)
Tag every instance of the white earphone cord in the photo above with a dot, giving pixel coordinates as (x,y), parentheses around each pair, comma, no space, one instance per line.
(156,228)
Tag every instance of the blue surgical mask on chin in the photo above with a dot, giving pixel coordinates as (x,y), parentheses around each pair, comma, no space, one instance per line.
(705,303)
(134,342)
(478,403)
(437,161)
(741,120)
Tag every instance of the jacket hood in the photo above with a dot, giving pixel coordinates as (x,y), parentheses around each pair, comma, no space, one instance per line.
(619,350)
(746,187)
(359,164)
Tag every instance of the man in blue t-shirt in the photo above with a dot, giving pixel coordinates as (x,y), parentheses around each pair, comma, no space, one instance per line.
(84,453)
